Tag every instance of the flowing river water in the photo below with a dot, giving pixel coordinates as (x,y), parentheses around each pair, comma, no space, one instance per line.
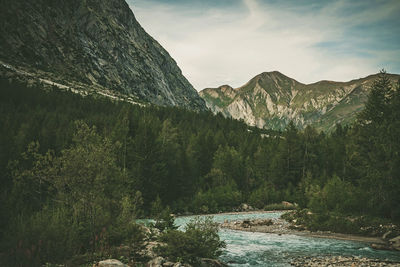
(263,249)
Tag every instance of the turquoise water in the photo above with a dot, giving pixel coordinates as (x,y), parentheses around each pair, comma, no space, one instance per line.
(261,249)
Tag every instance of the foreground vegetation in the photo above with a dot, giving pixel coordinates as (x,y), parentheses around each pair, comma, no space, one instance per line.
(76,171)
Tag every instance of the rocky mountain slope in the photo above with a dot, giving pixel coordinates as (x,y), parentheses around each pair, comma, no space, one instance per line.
(271,100)
(94,45)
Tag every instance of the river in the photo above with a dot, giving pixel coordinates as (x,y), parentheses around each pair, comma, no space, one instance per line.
(262,249)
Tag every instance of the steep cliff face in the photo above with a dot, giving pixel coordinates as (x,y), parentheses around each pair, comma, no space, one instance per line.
(271,100)
(92,43)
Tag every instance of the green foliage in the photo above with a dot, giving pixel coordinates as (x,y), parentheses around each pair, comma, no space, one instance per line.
(99,164)
(164,221)
(337,195)
(82,187)
(51,235)
(219,198)
(339,223)
(199,240)
(277,206)
(263,196)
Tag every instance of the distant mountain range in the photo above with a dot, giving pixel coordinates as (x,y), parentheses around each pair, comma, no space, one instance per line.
(271,100)
(93,47)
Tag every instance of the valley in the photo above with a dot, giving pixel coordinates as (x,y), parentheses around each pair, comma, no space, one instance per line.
(100,132)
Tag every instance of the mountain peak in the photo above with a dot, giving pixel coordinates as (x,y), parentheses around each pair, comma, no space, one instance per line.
(271,73)
(272,100)
(95,45)
(274,75)
(225,87)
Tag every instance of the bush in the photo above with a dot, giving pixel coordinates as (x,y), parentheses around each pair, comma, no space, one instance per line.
(278,206)
(339,223)
(129,234)
(47,236)
(220,198)
(200,240)
(263,196)
(54,236)
(164,221)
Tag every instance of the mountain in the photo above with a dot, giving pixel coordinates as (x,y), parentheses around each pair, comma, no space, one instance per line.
(271,100)
(93,46)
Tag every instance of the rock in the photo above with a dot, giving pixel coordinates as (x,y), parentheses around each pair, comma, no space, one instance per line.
(245,224)
(149,249)
(111,263)
(341,261)
(156,262)
(262,101)
(395,243)
(386,235)
(261,222)
(380,246)
(102,48)
(296,227)
(168,264)
(244,207)
(287,204)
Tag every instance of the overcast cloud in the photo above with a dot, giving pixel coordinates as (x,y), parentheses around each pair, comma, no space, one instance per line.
(230,41)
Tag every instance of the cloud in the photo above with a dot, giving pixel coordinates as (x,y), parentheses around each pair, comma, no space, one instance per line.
(231,42)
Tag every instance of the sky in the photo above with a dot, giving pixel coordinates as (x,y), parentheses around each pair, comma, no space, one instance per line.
(217,42)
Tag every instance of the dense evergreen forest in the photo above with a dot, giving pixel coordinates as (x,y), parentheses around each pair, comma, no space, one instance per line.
(73,166)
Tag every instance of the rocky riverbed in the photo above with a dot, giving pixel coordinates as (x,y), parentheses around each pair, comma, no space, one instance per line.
(280,226)
(341,261)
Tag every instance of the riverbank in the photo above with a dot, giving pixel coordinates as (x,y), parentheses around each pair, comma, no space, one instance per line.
(341,261)
(280,226)
(244,212)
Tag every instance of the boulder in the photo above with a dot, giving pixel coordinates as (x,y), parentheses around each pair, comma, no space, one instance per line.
(386,235)
(395,243)
(148,250)
(111,263)
(244,207)
(287,204)
(261,222)
(156,262)
(245,224)
(380,246)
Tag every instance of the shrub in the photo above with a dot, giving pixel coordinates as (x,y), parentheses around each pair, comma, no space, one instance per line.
(47,236)
(200,240)
(220,198)
(164,221)
(278,206)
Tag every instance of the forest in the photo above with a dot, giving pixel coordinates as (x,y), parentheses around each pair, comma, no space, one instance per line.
(74,168)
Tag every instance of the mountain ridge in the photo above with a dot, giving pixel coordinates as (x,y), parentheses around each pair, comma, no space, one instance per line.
(272,99)
(98,45)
